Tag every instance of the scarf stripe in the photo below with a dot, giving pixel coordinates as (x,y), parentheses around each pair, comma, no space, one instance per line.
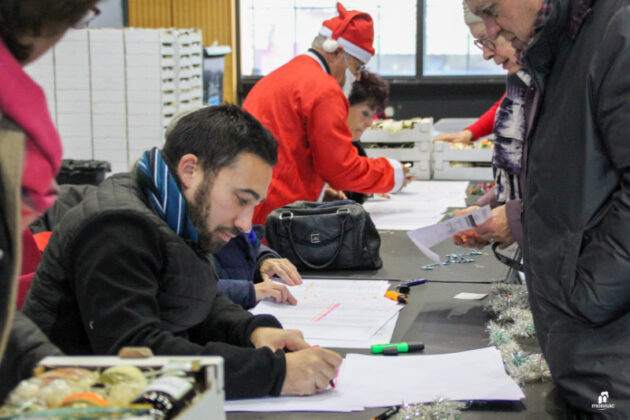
(165,195)
(510,127)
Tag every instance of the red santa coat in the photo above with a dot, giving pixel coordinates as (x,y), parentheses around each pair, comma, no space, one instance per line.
(307,112)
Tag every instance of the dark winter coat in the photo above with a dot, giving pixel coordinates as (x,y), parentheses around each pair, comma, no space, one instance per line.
(237,264)
(115,275)
(576,240)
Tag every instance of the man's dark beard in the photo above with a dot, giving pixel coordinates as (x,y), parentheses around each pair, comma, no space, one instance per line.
(209,242)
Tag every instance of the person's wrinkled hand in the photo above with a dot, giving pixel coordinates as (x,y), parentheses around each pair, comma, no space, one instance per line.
(278,339)
(496,229)
(276,291)
(310,370)
(281,268)
(331,194)
(468,238)
(464,136)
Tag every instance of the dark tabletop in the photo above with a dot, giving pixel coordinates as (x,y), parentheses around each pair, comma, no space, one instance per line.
(442,323)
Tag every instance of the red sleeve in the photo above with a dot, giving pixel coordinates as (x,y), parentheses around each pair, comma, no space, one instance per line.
(485,124)
(335,158)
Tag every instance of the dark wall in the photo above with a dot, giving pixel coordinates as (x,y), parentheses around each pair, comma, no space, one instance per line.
(437,98)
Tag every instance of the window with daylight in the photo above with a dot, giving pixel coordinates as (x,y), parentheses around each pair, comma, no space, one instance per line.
(274,31)
(448,45)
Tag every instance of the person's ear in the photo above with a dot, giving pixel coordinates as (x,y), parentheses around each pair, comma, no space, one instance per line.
(335,55)
(188,169)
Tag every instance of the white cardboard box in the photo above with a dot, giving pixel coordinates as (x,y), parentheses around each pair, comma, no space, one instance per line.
(446,160)
(410,145)
(421,131)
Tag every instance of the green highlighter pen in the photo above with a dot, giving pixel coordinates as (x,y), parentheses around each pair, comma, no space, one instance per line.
(395,348)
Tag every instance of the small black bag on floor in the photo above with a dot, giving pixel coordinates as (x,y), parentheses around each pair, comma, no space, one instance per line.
(335,235)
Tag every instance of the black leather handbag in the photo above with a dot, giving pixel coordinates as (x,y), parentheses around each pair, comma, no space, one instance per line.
(335,235)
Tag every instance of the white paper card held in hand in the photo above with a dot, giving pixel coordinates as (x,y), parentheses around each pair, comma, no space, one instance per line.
(428,236)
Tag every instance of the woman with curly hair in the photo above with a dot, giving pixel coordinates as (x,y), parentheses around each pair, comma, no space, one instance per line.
(367,98)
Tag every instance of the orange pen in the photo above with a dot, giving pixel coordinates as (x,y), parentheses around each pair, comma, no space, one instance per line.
(395,296)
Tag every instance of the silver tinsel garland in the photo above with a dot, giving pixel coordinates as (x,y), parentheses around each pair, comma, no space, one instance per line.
(440,409)
(512,325)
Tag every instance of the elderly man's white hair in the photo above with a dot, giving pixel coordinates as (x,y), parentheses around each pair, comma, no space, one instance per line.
(470,17)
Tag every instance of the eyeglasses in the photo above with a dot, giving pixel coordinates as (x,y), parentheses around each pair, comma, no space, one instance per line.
(485,43)
(358,69)
(87,18)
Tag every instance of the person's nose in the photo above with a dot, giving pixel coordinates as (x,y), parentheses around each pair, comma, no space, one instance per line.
(487,53)
(243,220)
(492,28)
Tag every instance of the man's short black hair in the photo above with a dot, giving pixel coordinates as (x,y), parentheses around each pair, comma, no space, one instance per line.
(37,18)
(370,88)
(216,135)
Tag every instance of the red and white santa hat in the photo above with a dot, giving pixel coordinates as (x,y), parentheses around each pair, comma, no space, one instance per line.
(353,30)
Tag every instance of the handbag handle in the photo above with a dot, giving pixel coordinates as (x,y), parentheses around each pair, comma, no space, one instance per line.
(510,262)
(287,221)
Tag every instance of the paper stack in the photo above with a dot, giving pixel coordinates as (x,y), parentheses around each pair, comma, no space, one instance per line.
(338,313)
(381,381)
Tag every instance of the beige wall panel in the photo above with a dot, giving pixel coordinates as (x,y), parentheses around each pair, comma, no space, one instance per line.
(151,13)
(217,20)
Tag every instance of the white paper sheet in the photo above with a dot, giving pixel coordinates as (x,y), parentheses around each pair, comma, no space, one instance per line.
(470,296)
(381,381)
(334,309)
(419,204)
(428,236)
(383,335)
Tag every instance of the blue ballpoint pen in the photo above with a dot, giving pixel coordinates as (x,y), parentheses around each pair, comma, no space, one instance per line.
(413,282)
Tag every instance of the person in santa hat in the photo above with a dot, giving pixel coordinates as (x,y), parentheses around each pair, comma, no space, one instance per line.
(302,103)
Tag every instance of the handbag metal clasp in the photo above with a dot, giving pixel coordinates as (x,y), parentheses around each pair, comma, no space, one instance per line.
(286,215)
(343,210)
(315,239)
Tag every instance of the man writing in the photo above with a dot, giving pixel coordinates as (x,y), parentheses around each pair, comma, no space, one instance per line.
(576,230)
(303,105)
(128,266)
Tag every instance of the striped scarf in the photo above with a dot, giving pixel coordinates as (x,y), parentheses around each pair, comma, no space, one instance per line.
(510,127)
(165,195)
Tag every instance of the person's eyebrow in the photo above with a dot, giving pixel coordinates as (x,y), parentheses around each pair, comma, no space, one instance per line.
(251,192)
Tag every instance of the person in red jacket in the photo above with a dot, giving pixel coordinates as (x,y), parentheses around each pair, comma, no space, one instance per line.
(303,105)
